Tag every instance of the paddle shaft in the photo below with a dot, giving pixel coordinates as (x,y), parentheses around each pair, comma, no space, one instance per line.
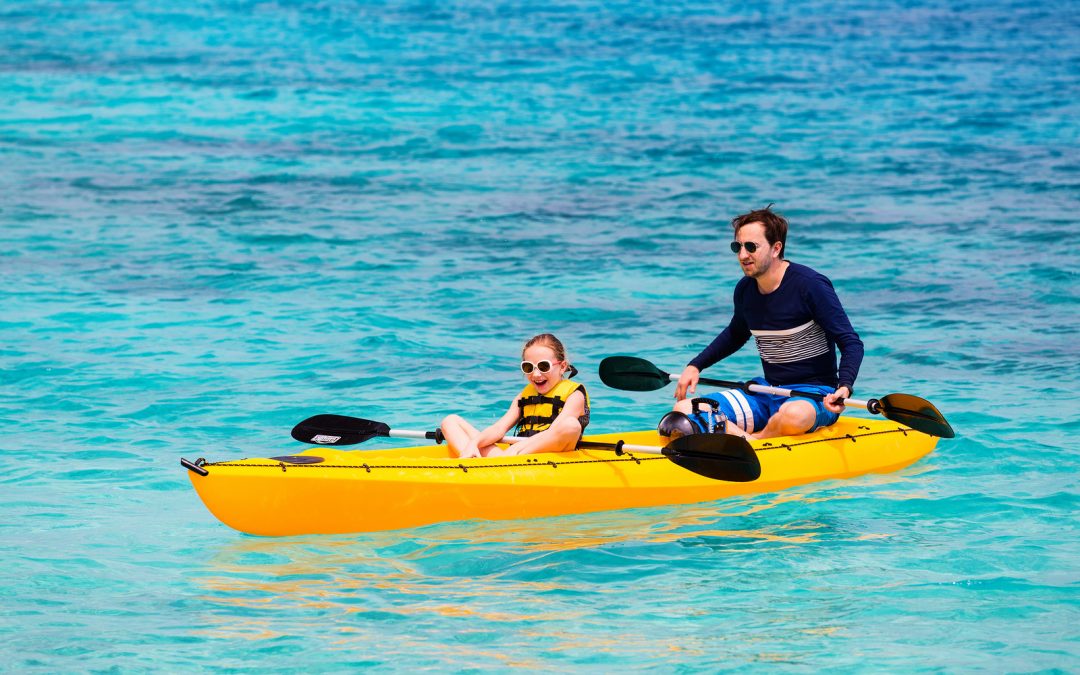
(872,405)
(344,430)
(715,456)
(634,374)
(422,435)
(584,445)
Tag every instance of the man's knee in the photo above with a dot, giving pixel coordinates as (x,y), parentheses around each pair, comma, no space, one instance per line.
(796,417)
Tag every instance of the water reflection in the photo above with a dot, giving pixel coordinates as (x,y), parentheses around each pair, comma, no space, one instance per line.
(398,549)
(653,587)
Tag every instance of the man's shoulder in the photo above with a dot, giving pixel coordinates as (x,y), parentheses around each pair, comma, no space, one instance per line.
(806,274)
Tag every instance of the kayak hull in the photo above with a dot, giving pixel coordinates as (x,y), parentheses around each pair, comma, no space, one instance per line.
(334,491)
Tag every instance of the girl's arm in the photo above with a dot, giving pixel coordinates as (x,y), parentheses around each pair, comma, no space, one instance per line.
(494,433)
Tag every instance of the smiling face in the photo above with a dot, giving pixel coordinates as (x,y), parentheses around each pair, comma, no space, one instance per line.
(764,258)
(544,382)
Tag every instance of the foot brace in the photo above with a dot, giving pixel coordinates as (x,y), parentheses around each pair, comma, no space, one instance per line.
(702,421)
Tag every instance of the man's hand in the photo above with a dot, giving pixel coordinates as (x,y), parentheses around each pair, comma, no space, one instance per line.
(835,401)
(687,382)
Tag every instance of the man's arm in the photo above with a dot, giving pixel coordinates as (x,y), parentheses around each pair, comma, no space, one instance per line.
(830,315)
(729,341)
(723,345)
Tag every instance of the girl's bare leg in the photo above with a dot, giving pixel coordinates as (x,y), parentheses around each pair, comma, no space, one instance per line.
(562,436)
(461,437)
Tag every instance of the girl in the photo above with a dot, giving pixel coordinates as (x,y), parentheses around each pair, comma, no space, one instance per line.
(550,411)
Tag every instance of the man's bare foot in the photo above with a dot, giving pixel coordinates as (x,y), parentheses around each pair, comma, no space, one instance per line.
(736,431)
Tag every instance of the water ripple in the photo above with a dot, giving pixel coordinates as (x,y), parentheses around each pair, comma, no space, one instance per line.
(220,218)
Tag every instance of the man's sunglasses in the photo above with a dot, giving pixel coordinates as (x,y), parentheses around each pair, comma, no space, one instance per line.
(751,247)
(542,366)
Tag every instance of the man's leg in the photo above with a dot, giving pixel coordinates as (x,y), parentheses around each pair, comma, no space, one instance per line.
(744,412)
(793,418)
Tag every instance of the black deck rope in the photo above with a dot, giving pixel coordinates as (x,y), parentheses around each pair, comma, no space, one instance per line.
(851,437)
(625,457)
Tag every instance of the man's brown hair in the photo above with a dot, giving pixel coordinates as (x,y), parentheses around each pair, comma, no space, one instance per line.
(775,225)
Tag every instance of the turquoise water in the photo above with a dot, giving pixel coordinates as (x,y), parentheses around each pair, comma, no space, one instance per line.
(219,218)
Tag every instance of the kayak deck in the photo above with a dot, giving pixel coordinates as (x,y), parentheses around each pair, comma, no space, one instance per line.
(328,490)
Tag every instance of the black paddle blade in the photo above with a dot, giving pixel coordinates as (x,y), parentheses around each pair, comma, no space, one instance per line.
(716,456)
(338,430)
(917,413)
(630,373)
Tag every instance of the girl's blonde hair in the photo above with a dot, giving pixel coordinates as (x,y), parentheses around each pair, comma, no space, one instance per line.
(553,343)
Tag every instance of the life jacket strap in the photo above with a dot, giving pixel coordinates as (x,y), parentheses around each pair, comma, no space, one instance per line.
(557,404)
(527,425)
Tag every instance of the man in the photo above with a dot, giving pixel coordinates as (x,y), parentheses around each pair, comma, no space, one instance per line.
(797,321)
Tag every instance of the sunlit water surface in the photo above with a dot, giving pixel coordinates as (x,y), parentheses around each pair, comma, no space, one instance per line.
(218,218)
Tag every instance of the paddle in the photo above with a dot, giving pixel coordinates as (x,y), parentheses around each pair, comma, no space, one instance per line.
(633,374)
(716,456)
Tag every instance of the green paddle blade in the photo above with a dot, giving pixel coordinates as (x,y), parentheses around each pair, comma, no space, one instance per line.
(917,413)
(630,373)
(338,430)
(716,456)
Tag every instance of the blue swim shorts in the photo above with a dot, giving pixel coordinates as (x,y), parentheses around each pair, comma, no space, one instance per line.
(751,411)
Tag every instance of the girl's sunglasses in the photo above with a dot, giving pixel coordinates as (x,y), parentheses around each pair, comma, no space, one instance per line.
(542,366)
(751,247)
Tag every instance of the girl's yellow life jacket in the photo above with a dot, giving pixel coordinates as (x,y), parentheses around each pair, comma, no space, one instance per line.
(538,411)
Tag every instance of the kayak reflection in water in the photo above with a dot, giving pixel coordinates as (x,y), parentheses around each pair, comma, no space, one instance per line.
(797,320)
(551,411)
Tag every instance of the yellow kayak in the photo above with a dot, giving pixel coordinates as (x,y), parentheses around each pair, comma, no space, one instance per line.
(326,490)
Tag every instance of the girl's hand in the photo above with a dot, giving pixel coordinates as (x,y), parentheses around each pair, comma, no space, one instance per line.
(470,451)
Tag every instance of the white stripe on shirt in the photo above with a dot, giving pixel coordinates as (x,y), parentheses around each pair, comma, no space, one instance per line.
(792,344)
